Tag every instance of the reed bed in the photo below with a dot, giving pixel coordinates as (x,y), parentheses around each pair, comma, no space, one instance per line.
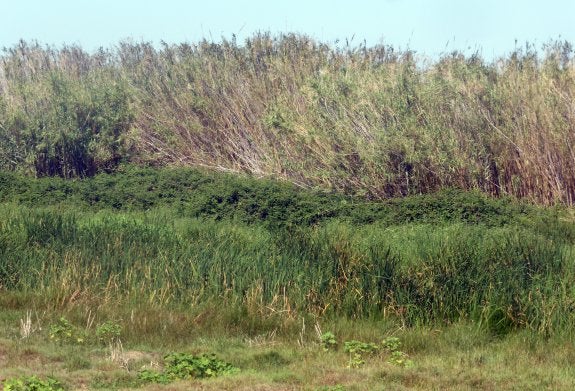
(369,121)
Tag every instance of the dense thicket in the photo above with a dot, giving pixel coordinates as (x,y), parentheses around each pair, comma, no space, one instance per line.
(275,205)
(365,120)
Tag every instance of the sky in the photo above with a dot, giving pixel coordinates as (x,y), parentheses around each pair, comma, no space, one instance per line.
(429,27)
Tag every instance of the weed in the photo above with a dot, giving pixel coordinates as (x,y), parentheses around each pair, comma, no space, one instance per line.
(328,341)
(391,344)
(26,328)
(150,376)
(396,356)
(32,383)
(357,351)
(186,366)
(64,332)
(400,359)
(108,331)
(116,351)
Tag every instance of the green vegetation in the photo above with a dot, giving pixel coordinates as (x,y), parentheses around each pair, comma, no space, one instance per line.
(369,121)
(105,275)
(328,341)
(63,332)
(32,383)
(274,253)
(109,260)
(357,350)
(108,331)
(186,366)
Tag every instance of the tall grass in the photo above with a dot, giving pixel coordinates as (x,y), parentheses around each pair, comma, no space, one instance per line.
(370,121)
(422,270)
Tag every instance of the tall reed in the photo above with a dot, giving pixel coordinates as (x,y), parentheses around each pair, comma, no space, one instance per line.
(370,121)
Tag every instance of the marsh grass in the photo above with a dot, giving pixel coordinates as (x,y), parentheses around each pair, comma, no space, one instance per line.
(434,259)
(370,121)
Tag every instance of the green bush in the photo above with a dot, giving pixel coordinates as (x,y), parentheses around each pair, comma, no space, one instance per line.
(328,341)
(275,204)
(357,351)
(66,126)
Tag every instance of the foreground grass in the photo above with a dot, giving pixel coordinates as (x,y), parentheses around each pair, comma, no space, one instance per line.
(456,357)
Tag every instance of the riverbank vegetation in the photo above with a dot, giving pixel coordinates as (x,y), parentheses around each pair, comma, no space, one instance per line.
(283,215)
(369,121)
(178,259)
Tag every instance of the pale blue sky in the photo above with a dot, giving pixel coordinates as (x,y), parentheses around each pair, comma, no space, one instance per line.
(427,26)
